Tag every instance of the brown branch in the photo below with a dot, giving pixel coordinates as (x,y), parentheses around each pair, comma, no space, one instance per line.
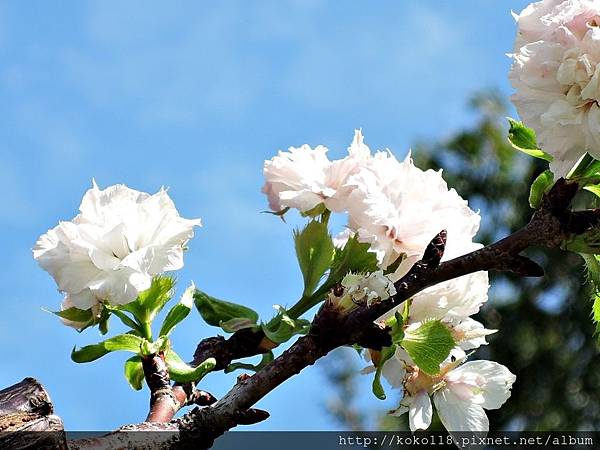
(202,426)
(166,400)
(26,418)
(549,227)
(163,402)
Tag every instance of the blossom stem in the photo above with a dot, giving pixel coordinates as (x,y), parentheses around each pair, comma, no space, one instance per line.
(301,306)
(147,330)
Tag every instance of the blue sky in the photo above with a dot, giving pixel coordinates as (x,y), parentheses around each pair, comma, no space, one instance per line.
(194,96)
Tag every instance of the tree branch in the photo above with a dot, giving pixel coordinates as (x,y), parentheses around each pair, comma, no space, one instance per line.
(332,327)
(549,227)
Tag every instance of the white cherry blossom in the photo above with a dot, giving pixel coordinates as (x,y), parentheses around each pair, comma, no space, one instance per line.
(398,209)
(111,250)
(461,394)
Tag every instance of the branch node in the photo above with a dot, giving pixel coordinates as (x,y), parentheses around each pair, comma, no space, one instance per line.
(435,250)
(242,377)
(250,416)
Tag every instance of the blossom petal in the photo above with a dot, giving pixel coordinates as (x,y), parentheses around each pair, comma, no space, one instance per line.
(420,412)
(498,381)
(459,415)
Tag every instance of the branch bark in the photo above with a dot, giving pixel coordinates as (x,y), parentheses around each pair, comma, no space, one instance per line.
(25,411)
(550,226)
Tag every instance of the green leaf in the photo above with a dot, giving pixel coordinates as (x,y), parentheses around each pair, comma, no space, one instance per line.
(128,321)
(151,301)
(103,321)
(584,169)
(429,345)
(182,373)
(282,327)
(386,353)
(124,342)
(314,212)
(134,372)
(314,250)
(239,323)
(84,317)
(586,243)
(215,311)
(594,189)
(539,187)
(149,348)
(266,359)
(178,312)
(353,257)
(596,313)
(592,263)
(280,213)
(524,140)
(75,315)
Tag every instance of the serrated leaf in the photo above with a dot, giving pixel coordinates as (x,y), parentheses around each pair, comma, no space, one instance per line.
(592,263)
(266,359)
(596,313)
(183,373)
(314,250)
(215,311)
(386,353)
(151,301)
(121,342)
(353,257)
(524,140)
(178,312)
(134,372)
(539,187)
(429,345)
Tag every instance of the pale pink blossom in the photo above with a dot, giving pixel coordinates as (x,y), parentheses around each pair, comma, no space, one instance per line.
(556,76)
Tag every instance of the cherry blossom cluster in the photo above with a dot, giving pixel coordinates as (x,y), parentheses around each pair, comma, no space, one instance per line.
(397,209)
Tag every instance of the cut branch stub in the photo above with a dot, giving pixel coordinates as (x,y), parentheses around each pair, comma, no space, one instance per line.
(25,410)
